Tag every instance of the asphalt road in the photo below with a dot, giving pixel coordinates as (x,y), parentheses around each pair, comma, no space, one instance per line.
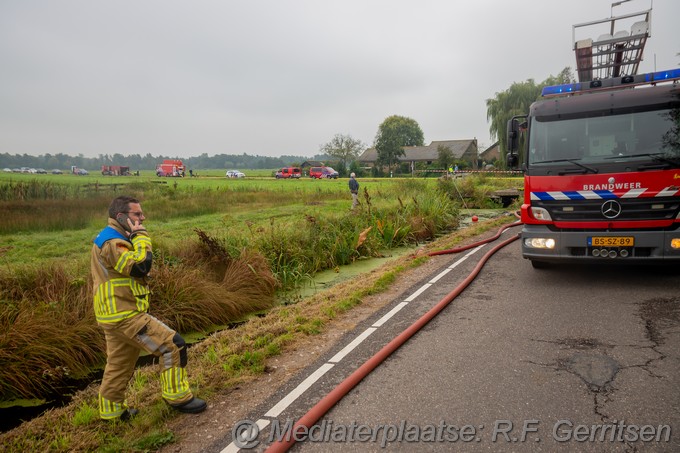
(572,358)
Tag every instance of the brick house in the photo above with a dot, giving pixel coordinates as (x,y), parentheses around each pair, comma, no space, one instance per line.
(461,149)
(491,154)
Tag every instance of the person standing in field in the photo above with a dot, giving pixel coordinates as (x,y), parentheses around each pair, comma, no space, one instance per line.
(354,190)
(121,259)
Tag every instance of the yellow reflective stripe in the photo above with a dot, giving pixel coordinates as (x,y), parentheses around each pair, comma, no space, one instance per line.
(141,293)
(116,317)
(174,384)
(99,300)
(123,260)
(141,241)
(109,409)
(142,304)
(105,298)
(138,289)
(106,309)
(137,255)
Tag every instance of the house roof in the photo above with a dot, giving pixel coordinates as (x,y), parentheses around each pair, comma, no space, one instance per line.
(491,150)
(312,163)
(426,153)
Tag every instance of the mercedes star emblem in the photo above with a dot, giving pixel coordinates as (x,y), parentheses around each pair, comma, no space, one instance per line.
(611,209)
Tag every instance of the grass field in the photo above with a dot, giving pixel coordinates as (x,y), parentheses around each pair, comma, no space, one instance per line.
(54,217)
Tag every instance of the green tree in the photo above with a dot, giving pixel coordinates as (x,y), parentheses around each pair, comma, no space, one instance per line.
(344,148)
(444,156)
(355,168)
(393,134)
(516,101)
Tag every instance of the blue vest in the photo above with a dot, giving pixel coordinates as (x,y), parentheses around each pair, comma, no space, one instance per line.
(106,235)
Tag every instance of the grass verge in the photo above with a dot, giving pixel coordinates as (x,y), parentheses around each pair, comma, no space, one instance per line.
(216,366)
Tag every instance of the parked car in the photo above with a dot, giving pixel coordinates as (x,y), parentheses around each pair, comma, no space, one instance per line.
(235,174)
(82,172)
(41,171)
(289,172)
(7,170)
(56,171)
(323,172)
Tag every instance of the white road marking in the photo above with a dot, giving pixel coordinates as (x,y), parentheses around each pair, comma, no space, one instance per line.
(299,390)
(391,313)
(356,342)
(474,250)
(442,273)
(418,292)
(454,265)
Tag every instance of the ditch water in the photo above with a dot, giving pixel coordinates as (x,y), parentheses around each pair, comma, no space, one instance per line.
(15,412)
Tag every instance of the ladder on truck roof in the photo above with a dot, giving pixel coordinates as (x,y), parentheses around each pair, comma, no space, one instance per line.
(617,51)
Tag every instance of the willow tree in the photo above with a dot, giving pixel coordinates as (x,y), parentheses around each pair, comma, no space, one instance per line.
(516,101)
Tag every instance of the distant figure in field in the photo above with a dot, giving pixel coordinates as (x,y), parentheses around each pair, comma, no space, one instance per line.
(354,190)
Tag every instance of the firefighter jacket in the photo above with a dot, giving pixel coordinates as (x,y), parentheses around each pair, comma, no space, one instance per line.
(119,268)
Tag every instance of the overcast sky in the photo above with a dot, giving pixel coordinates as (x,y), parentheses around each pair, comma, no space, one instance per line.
(275,77)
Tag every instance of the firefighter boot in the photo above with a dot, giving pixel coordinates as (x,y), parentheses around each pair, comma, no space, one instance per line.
(125,416)
(128,414)
(193,406)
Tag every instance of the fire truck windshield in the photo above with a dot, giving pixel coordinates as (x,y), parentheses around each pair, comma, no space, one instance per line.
(602,138)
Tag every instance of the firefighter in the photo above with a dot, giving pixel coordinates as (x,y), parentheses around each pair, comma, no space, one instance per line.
(120,262)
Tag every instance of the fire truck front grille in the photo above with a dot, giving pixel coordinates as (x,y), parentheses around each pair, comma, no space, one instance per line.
(631,209)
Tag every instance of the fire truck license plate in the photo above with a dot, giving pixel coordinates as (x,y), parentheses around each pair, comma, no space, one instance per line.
(611,241)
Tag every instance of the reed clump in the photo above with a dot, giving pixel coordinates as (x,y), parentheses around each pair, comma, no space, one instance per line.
(205,286)
(47,335)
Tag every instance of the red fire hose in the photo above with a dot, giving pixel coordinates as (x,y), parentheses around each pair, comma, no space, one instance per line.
(476,244)
(328,401)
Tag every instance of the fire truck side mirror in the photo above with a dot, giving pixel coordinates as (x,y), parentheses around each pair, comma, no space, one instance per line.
(513,136)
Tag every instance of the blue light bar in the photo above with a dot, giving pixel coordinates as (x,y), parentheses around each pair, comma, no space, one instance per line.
(561,89)
(670,74)
(615,82)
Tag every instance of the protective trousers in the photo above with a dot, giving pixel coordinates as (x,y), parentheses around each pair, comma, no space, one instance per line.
(124,341)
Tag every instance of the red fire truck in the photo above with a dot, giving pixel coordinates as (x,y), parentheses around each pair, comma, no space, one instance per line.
(171,168)
(601,162)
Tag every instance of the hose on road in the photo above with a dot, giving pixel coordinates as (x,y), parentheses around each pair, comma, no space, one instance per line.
(327,402)
(476,244)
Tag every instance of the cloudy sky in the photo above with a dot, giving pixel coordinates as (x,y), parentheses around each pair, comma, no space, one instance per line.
(275,77)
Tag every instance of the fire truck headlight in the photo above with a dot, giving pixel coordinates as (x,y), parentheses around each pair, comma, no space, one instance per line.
(540,243)
(675,243)
(540,213)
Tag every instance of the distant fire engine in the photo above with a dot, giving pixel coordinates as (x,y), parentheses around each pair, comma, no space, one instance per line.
(171,168)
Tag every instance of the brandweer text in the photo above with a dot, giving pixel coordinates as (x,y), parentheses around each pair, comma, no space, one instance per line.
(617,186)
